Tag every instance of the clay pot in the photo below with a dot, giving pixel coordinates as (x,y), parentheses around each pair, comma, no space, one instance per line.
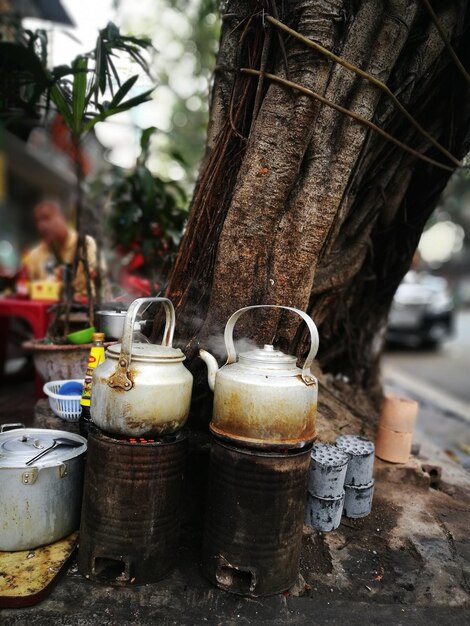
(395,430)
(59,362)
(398,414)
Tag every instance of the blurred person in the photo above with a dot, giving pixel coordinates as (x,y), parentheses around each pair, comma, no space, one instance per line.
(57,248)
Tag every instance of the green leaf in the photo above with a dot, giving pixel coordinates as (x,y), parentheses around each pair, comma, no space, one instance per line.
(141,42)
(122,91)
(79,92)
(60,71)
(148,247)
(125,106)
(177,156)
(101,67)
(138,58)
(146,183)
(140,99)
(145,141)
(114,71)
(179,191)
(111,32)
(62,106)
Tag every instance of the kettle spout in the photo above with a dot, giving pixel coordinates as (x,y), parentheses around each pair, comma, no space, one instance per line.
(212,367)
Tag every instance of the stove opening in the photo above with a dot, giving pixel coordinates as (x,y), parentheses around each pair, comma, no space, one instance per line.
(238,580)
(110,569)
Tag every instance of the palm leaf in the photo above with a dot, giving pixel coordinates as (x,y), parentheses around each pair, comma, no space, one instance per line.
(124,106)
(123,90)
(79,92)
(62,105)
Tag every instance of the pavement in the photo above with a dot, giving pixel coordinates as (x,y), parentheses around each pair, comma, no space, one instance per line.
(442,418)
(406,563)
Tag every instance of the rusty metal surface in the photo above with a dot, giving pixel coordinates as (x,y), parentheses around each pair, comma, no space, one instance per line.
(157,402)
(132,504)
(266,444)
(260,411)
(255,511)
(26,576)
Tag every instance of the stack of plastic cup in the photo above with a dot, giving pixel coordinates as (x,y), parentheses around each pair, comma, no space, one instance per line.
(325,500)
(359,483)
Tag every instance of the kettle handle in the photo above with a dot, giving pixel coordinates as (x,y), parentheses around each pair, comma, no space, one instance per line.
(120,377)
(307,376)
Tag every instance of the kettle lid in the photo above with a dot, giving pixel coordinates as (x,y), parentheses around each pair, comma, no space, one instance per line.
(268,357)
(149,352)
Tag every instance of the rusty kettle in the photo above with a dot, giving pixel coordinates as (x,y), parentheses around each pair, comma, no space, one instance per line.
(142,389)
(261,397)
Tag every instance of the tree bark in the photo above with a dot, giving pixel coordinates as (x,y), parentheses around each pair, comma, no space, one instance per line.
(298,204)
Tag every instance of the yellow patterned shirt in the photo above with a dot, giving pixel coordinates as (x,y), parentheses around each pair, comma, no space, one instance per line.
(42,264)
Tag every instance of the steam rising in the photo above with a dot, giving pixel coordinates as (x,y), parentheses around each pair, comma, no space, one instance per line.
(215,344)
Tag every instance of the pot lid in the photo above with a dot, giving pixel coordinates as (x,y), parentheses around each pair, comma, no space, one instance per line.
(268,357)
(21,445)
(148,352)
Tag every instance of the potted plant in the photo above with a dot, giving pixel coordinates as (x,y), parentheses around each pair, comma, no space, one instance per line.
(88,91)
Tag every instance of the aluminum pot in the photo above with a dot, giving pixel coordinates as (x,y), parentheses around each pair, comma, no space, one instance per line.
(261,398)
(111,323)
(39,503)
(142,389)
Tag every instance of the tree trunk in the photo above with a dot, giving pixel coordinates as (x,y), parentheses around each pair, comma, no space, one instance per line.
(297,203)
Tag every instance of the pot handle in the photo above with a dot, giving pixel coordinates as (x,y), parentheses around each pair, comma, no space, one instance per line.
(120,377)
(307,375)
(5,427)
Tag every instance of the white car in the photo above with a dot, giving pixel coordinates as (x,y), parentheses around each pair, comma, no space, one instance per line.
(422,311)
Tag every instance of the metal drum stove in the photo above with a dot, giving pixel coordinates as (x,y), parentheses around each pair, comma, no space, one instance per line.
(253,528)
(263,426)
(134,478)
(131,508)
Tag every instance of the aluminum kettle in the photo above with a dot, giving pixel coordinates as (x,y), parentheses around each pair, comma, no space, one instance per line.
(142,389)
(261,398)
